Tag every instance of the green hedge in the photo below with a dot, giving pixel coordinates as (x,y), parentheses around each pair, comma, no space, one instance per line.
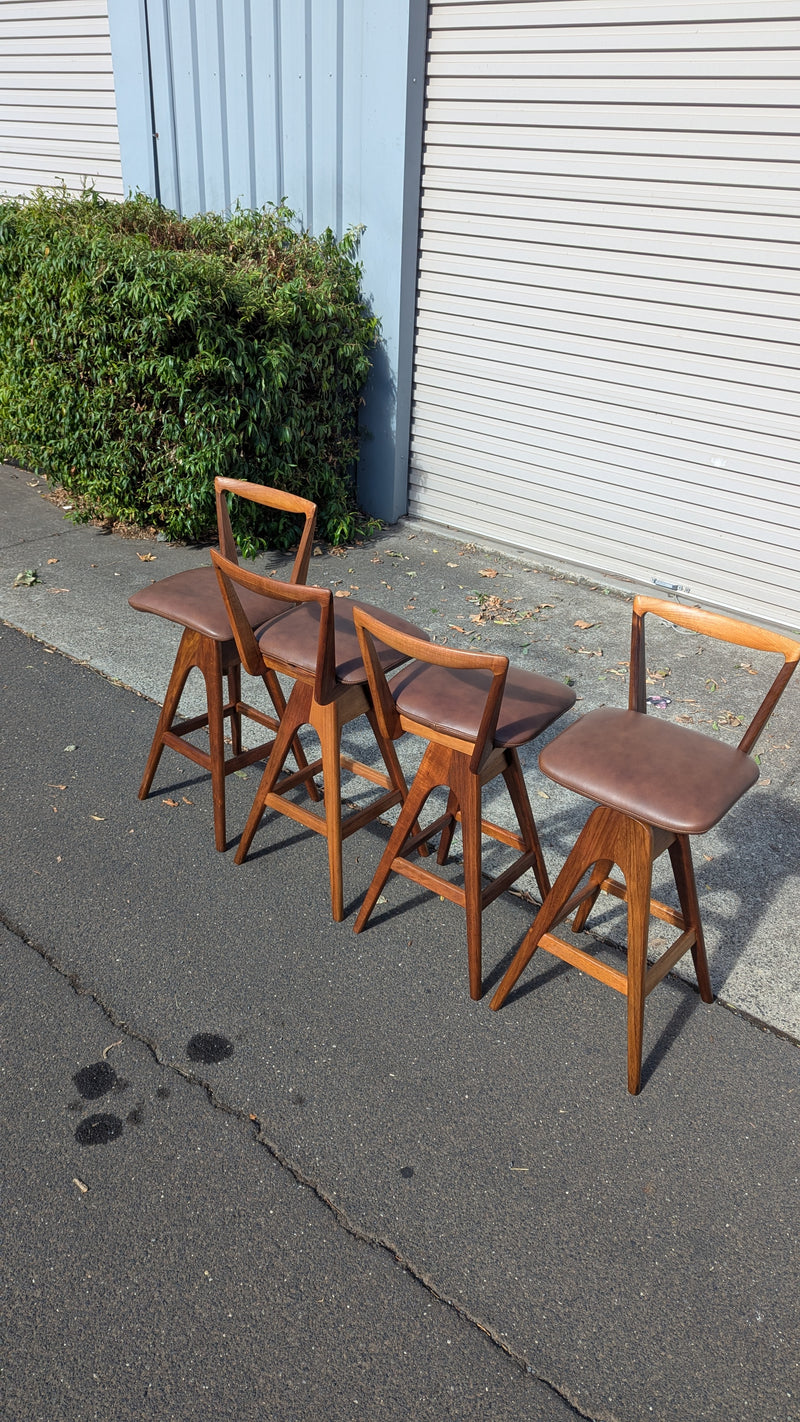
(142,353)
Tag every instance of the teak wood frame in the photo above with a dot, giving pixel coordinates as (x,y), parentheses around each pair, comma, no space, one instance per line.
(217,660)
(611,837)
(318,700)
(464,767)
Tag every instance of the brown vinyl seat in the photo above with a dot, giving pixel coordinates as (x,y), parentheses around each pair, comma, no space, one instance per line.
(193,601)
(474,711)
(314,643)
(655,784)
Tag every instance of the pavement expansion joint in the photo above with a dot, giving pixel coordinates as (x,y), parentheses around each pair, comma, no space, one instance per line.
(260,1138)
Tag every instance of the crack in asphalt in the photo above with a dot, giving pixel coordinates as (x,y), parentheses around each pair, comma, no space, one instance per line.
(260,1137)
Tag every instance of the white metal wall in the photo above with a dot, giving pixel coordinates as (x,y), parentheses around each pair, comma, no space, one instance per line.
(606,364)
(58,119)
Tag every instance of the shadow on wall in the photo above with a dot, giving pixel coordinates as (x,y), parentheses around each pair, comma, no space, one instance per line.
(382,474)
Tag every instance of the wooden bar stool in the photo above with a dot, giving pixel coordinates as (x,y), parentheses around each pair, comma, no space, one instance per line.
(314,643)
(655,784)
(193,600)
(474,711)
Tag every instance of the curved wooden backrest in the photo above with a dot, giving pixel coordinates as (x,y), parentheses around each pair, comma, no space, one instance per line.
(724,629)
(230,574)
(371,629)
(276,499)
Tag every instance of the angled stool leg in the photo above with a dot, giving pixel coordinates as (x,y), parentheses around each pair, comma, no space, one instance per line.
(680,854)
(591,842)
(599,874)
(185,661)
(279,702)
(396,777)
(434,764)
(296,715)
(515,784)
(449,830)
(387,750)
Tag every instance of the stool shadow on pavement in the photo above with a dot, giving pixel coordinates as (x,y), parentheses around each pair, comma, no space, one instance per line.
(742,868)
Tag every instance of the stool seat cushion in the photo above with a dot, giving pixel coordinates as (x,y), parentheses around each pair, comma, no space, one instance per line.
(655,771)
(294,636)
(193,599)
(452,700)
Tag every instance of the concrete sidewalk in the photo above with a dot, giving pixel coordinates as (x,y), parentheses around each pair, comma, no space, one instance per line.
(514,1235)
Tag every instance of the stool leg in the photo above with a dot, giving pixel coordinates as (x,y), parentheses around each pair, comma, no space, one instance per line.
(515,784)
(211,667)
(433,766)
(234,675)
(185,661)
(599,874)
(468,791)
(591,842)
(279,702)
(298,709)
(326,722)
(636,863)
(680,854)
(446,838)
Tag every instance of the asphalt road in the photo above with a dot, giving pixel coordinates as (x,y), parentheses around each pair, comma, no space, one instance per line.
(258,1168)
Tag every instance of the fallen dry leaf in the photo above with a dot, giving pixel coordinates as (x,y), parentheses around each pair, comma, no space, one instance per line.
(185,801)
(98,817)
(51,561)
(454,628)
(488,572)
(341,593)
(146,557)
(173,803)
(584,626)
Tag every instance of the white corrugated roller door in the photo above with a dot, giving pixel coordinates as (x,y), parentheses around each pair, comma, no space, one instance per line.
(606,365)
(58,116)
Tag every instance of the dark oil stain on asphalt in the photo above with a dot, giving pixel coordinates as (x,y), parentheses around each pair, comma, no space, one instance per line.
(406,1171)
(98,1129)
(95,1080)
(208,1047)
